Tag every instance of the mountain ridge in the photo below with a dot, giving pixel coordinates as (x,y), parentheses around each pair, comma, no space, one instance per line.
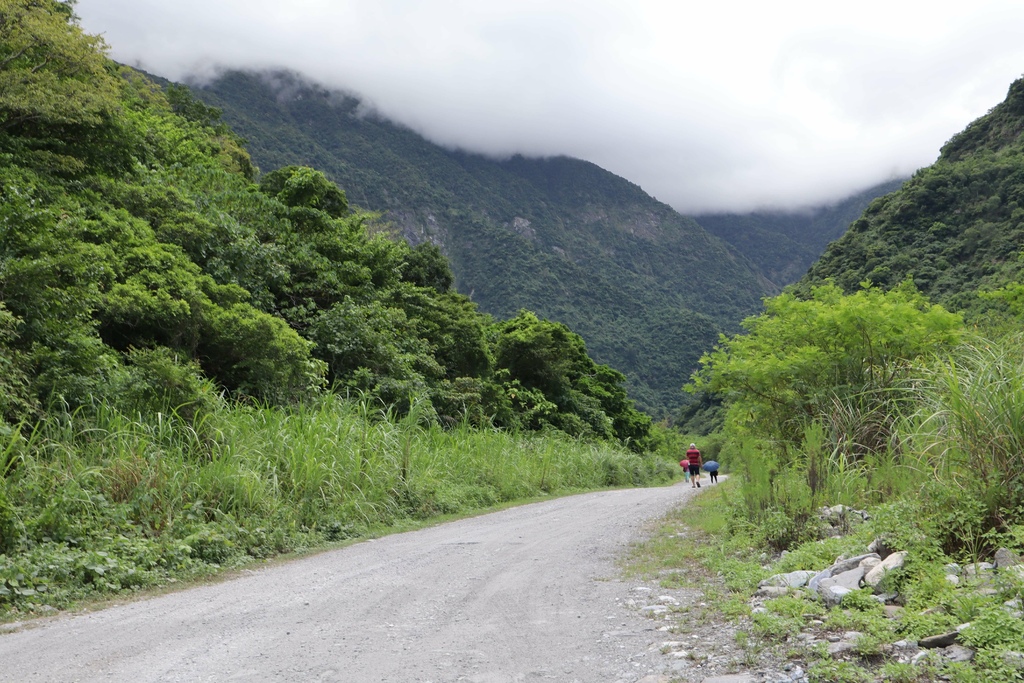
(649,289)
(785,244)
(956,227)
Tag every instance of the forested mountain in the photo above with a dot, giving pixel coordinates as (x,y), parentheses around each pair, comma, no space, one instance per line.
(648,289)
(784,244)
(145,267)
(955,227)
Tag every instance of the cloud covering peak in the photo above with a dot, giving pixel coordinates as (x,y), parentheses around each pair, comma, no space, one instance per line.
(729,106)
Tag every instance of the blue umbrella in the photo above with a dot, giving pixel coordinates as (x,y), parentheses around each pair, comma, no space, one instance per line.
(711,466)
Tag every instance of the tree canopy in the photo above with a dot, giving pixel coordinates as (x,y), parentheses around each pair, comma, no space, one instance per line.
(144,262)
(801,356)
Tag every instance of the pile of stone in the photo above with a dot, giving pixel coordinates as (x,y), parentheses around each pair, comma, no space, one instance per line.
(844,576)
(868,571)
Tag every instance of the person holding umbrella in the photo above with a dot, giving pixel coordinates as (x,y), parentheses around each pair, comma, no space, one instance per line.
(711,467)
(693,462)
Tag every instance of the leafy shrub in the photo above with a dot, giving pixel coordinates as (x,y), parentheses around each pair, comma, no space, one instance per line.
(837,672)
(793,606)
(862,601)
(11,527)
(158,380)
(211,544)
(774,626)
(815,555)
(994,627)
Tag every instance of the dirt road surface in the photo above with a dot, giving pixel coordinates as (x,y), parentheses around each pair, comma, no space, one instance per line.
(527,594)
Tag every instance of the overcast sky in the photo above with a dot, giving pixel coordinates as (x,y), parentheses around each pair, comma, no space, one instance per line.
(717,105)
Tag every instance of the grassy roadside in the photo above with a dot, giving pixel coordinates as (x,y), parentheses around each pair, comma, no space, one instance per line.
(109,505)
(859,641)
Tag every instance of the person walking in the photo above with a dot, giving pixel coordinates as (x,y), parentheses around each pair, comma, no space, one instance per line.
(711,467)
(694,461)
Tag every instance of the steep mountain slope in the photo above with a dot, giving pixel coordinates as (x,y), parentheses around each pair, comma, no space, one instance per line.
(648,289)
(955,227)
(784,244)
(143,269)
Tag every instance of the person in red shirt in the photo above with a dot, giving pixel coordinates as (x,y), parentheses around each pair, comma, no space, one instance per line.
(693,463)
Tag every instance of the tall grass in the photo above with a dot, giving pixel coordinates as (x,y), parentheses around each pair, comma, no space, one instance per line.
(951,441)
(167,496)
(970,426)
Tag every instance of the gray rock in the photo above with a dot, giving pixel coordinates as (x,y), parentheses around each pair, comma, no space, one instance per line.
(941,640)
(834,511)
(958,653)
(880,546)
(1006,558)
(817,578)
(894,561)
(833,595)
(893,611)
(846,644)
(771,592)
(796,579)
(849,579)
(841,566)
(732,678)
(1013,659)
(843,647)
(977,569)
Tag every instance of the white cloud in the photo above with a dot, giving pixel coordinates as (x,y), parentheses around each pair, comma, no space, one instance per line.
(727,105)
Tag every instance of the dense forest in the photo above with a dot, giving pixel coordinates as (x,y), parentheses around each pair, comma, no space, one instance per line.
(202,364)
(146,263)
(784,244)
(648,289)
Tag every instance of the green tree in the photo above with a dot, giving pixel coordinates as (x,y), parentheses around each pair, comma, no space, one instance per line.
(15,398)
(800,356)
(50,70)
(546,371)
(299,186)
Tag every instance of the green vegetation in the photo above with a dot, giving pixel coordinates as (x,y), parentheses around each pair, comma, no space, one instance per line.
(955,227)
(784,244)
(200,365)
(95,501)
(835,357)
(145,268)
(854,388)
(648,289)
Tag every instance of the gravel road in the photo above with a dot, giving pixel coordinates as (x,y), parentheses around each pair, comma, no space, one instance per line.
(526,594)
